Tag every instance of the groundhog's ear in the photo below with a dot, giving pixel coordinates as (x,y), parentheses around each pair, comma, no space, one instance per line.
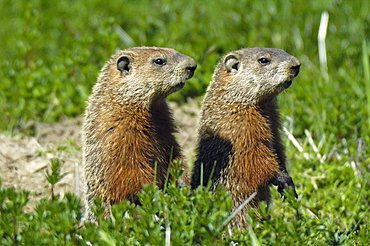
(232,63)
(123,64)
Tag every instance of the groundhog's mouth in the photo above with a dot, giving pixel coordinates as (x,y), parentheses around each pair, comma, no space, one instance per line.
(287,84)
(178,87)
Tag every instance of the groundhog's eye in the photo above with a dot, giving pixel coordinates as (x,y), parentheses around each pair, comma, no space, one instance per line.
(264,61)
(160,61)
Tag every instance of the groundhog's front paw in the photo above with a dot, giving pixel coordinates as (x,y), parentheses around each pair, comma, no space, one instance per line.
(284,181)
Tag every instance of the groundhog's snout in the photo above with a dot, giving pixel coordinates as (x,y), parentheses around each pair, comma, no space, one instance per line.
(295,70)
(186,64)
(190,66)
(295,67)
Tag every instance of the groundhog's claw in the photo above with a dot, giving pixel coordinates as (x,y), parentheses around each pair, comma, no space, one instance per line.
(284,181)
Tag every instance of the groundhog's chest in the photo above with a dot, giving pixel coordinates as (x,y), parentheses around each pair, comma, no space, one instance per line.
(252,160)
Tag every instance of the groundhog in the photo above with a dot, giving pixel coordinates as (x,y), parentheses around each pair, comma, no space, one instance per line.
(128,133)
(239,144)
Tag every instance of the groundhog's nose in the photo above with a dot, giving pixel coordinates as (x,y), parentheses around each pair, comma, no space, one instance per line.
(295,70)
(187,63)
(296,64)
(190,66)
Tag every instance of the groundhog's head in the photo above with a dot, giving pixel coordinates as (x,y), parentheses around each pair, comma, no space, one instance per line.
(257,74)
(148,73)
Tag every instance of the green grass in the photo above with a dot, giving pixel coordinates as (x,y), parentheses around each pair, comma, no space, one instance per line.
(52,53)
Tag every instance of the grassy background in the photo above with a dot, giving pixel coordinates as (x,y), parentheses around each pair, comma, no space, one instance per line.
(52,52)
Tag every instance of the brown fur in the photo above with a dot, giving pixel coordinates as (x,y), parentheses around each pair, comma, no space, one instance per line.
(129,129)
(239,143)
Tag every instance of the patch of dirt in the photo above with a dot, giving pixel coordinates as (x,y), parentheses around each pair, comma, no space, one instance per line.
(24,161)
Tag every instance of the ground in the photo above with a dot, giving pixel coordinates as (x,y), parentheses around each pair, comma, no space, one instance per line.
(24,161)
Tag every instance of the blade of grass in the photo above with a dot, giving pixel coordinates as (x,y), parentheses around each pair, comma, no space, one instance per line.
(321,42)
(365,61)
(236,211)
